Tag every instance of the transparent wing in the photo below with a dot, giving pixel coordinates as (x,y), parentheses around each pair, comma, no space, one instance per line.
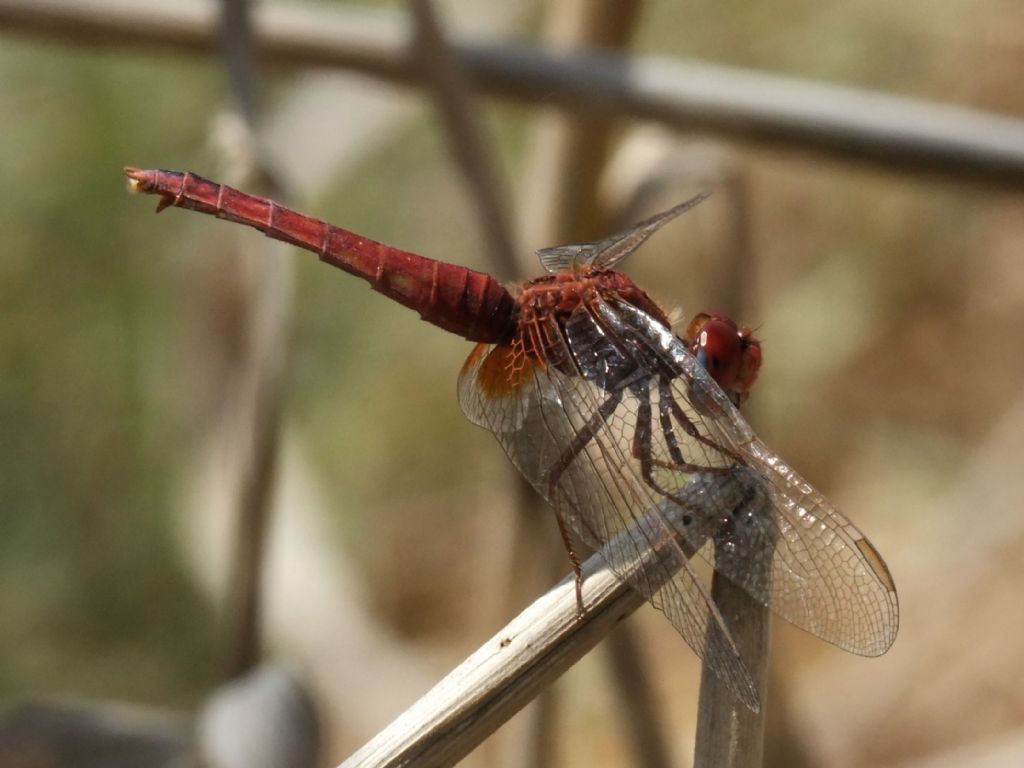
(640,452)
(804,559)
(562,258)
(569,428)
(613,249)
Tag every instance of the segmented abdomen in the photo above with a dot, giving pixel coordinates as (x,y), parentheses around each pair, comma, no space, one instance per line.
(460,300)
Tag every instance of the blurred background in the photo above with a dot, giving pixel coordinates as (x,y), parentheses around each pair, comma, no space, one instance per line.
(162,379)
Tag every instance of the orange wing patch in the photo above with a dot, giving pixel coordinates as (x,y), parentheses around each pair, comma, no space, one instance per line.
(503,371)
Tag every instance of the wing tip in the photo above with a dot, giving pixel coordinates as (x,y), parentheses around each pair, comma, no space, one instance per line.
(877,564)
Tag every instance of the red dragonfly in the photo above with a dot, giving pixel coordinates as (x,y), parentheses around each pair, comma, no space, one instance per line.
(631,432)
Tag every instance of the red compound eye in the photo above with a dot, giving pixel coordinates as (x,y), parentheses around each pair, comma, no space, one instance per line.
(750,363)
(729,353)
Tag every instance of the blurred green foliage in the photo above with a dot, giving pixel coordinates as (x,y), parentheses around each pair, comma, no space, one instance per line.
(92,598)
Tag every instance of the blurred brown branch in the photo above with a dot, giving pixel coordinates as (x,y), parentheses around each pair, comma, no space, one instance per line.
(834,121)
(259,374)
(468,142)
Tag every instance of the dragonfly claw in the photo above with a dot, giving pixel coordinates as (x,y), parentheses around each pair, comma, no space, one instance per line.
(580,610)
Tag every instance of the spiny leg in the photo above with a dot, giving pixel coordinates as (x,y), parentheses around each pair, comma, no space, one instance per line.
(666,396)
(665,418)
(579,442)
(643,452)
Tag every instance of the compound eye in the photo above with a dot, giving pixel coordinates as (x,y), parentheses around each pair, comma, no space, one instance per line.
(750,363)
(718,347)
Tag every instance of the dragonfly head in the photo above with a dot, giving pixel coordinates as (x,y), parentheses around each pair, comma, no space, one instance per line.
(728,352)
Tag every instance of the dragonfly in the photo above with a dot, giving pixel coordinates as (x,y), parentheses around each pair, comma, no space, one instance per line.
(630,431)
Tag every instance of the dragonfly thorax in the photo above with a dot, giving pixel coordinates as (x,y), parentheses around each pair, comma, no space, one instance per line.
(554,297)
(554,307)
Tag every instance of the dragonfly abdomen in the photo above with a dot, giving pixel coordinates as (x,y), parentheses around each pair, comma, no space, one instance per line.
(460,300)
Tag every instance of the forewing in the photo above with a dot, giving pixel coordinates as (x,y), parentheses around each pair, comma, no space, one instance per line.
(828,578)
(563,257)
(790,548)
(614,248)
(539,413)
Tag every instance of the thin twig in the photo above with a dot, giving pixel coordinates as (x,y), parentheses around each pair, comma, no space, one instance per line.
(729,735)
(467,141)
(260,373)
(236,40)
(570,150)
(835,121)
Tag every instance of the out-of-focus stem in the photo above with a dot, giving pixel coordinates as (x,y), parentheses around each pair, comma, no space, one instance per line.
(457,105)
(729,735)
(868,127)
(260,372)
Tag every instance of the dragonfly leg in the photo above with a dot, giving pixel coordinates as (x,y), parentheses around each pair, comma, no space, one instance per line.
(555,472)
(643,453)
(665,418)
(667,400)
(574,560)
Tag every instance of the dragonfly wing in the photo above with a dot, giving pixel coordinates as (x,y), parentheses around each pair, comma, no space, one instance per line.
(537,413)
(562,258)
(611,250)
(827,578)
(798,555)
